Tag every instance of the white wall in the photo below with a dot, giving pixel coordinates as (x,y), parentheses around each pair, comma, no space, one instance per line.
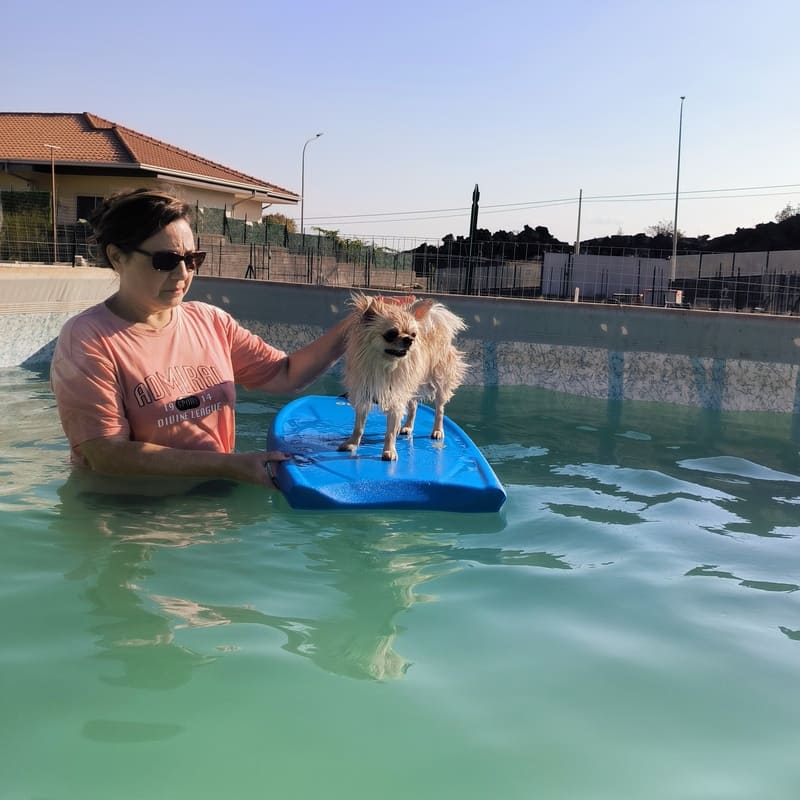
(732,264)
(601,277)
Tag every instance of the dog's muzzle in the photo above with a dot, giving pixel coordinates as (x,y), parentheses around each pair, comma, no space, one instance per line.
(401,348)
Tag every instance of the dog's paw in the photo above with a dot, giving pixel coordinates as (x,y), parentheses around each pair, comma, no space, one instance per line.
(347,447)
(437,433)
(406,431)
(389,455)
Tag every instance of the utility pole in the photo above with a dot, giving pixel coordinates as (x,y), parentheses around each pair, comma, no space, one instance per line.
(52,149)
(473,227)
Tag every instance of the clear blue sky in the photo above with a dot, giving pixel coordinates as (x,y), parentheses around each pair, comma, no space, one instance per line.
(419,101)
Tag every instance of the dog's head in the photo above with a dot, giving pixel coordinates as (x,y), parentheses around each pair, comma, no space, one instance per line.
(386,328)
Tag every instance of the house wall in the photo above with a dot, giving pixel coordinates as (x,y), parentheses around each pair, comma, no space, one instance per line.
(69,187)
(17,181)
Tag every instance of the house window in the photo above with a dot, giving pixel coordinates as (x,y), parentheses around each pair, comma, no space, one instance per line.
(86,204)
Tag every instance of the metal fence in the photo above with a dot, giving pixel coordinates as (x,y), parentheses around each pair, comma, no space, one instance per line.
(70,243)
(767,282)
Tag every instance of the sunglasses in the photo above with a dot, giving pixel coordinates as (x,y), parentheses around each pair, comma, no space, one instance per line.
(168,260)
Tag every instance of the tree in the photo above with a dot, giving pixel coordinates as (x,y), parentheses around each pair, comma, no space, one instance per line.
(787,212)
(282,219)
(664,228)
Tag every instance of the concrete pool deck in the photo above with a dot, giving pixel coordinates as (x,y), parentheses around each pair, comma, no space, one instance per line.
(708,359)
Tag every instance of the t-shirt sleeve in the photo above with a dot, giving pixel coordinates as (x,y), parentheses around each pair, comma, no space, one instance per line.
(255,362)
(86,387)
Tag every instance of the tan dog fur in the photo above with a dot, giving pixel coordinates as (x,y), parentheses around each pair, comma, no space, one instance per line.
(395,356)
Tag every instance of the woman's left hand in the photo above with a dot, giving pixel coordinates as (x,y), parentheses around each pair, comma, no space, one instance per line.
(255,467)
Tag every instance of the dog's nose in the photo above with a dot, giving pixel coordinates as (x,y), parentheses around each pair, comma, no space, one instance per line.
(407,341)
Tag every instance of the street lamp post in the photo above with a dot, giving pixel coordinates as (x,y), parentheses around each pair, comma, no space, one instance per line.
(677,189)
(52,149)
(303,185)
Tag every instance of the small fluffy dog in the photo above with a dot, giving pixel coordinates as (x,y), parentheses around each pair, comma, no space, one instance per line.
(397,354)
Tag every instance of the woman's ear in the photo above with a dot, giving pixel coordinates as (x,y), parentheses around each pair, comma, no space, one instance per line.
(114,255)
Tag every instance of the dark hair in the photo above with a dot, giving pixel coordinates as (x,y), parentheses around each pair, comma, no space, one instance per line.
(128,218)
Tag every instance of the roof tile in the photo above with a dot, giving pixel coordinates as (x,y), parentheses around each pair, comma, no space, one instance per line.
(88,139)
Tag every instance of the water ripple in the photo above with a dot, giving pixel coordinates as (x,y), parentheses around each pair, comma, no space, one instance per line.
(644,482)
(498,453)
(730,465)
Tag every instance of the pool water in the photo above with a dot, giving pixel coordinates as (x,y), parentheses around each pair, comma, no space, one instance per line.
(627,627)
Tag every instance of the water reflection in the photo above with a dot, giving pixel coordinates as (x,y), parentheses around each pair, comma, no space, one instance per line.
(31,442)
(128,731)
(116,539)
(634,434)
(712,571)
(750,500)
(377,577)
(338,587)
(369,569)
(602,516)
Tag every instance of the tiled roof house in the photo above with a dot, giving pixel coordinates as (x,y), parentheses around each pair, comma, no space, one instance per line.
(92,157)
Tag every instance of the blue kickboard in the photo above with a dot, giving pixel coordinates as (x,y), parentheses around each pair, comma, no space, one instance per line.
(448,475)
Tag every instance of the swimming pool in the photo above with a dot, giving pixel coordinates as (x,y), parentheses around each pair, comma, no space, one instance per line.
(627,627)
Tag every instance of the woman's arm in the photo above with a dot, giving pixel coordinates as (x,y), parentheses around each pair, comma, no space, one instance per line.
(306,364)
(118,456)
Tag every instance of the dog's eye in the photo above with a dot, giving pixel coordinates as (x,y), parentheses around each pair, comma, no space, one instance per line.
(391,334)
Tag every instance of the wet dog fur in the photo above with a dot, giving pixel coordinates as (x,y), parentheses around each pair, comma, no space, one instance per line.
(395,356)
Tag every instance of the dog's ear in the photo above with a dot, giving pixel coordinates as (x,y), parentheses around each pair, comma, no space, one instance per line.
(359,302)
(362,306)
(370,312)
(420,308)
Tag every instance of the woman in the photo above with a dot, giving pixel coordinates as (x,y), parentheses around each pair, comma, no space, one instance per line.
(145,382)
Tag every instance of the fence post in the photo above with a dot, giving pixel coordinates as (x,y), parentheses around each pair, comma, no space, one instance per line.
(653,289)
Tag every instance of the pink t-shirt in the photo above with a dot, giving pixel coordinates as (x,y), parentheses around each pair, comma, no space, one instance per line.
(172,387)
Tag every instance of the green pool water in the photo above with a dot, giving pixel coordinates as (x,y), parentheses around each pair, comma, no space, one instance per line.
(628,627)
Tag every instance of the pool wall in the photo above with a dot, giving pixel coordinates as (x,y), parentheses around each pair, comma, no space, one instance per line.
(707,359)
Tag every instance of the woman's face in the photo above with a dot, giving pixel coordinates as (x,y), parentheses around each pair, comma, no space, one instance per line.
(147,288)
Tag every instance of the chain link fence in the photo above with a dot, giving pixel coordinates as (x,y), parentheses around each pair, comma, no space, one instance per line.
(767,282)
